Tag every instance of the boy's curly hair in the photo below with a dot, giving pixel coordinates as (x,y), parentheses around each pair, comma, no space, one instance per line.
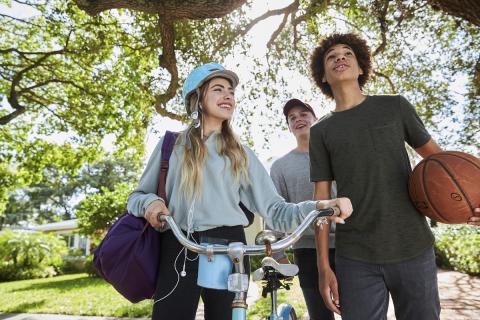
(359,47)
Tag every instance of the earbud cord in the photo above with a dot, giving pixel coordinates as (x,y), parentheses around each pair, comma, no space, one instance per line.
(183,273)
(189,233)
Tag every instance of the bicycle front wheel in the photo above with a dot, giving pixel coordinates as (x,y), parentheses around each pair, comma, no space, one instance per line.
(287,312)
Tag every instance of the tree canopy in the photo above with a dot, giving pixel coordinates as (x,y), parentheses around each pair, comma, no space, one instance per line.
(75,72)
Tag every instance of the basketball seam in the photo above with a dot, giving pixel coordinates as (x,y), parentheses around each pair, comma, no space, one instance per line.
(424,185)
(455,181)
(461,157)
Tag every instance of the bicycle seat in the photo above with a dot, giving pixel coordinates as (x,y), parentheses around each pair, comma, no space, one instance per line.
(269,236)
(287,270)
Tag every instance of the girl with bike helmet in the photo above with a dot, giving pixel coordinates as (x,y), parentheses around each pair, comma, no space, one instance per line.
(211,174)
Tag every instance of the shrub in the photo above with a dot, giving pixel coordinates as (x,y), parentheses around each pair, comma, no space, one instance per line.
(458,247)
(89,268)
(256,261)
(97,212)
(73,264)
(26,255)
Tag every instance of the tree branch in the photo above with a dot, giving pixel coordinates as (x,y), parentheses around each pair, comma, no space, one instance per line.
(299,19)
(9,117)
(167,61)
(390,82)
(285,10)
(476,78)
(277,31)
(25,53)
(14,95)
(380,10)
(466,9)
(44,83)
(240,32)
(20,20)
(32,96)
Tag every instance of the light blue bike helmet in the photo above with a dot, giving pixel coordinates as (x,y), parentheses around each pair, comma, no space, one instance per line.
(199,76)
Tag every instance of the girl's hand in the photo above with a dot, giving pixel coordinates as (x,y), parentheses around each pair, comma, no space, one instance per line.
(156,208)
(343,204)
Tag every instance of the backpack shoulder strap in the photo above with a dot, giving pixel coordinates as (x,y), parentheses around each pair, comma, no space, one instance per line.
(167,149)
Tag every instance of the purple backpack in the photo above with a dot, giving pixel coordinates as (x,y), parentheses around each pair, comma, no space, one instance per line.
(129,254)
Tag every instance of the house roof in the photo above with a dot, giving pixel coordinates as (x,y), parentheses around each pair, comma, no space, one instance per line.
(57,226)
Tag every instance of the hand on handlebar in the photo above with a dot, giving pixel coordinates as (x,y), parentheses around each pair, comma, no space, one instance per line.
(153,211)
(343,204)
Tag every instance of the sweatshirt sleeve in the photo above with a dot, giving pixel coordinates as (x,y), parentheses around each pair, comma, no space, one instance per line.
(140,198)
(261,196)
(279,180)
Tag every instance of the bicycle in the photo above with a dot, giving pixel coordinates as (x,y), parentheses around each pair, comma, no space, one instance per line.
(238,281)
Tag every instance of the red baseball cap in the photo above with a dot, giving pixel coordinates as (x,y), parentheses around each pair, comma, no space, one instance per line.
(296,103)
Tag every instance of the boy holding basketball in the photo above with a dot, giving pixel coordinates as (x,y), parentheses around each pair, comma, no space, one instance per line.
(386,246)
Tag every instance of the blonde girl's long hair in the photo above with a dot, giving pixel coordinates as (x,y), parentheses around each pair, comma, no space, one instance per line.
(195,153)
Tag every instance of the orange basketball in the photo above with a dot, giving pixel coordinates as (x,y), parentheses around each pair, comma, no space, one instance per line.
(446,186)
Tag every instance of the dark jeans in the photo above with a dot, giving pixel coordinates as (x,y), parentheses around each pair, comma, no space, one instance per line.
(364,288)
(182,302)
(306,259)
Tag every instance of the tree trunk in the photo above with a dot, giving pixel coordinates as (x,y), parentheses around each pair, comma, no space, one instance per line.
(465,9)
(174,9)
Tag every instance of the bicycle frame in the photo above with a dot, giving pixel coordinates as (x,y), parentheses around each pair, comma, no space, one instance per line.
(238,281)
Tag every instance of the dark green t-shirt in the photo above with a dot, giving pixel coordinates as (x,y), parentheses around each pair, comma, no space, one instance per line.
(363,149)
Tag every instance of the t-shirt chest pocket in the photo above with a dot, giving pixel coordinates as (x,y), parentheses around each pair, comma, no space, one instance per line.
(385,137)
(349,143)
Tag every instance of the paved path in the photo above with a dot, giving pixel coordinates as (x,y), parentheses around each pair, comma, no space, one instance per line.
(459,296)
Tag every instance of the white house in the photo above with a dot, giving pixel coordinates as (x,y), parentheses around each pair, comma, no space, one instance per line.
(68,229)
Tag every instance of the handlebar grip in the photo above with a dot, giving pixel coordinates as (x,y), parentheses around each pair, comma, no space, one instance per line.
(336,211)
(161,217)
(333,211)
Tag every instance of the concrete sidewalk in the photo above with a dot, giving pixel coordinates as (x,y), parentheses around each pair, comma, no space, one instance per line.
(459,297)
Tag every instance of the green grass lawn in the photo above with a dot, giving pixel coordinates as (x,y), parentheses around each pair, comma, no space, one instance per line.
(79,294)
(75,294)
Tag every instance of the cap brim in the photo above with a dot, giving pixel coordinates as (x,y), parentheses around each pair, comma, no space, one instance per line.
(296,102)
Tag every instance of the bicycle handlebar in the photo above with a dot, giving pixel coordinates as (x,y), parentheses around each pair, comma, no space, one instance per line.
(248,249)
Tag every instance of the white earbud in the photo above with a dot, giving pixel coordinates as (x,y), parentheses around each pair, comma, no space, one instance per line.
(183,273)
